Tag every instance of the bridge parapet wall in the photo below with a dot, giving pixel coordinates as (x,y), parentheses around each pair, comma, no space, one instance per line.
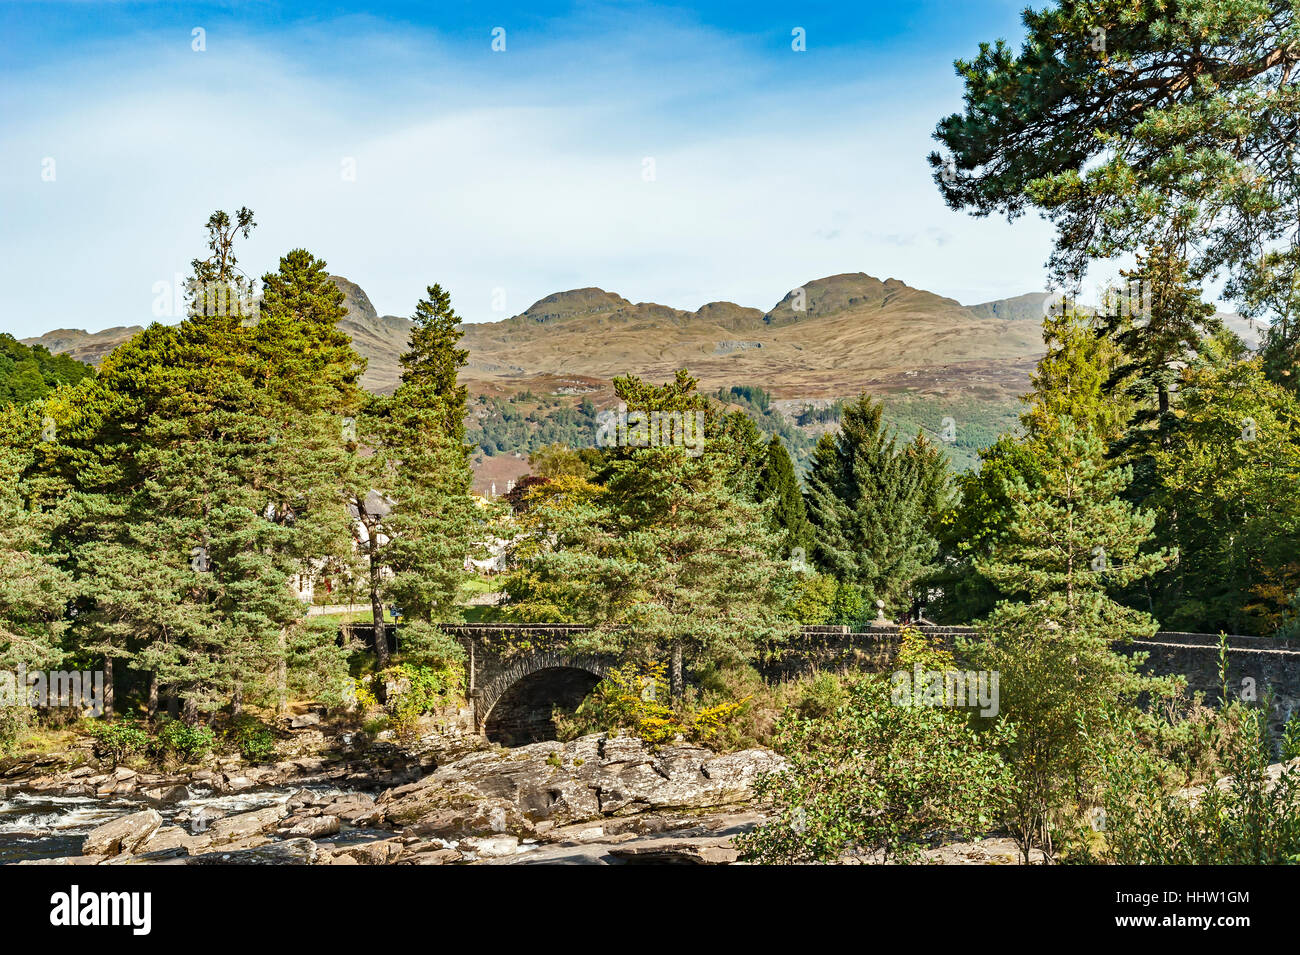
(499,654)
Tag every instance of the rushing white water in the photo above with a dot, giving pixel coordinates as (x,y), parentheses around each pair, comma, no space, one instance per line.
(37,825)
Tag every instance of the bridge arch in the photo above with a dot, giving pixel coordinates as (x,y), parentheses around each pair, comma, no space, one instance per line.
(515,707)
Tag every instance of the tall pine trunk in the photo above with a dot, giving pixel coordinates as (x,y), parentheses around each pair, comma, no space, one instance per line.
(376,605)
(676,678)
(108,687)
(282,675)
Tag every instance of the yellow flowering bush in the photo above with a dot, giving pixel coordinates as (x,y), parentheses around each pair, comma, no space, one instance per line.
(631,701)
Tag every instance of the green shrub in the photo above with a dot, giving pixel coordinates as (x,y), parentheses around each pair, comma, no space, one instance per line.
(118,741)
(13,724)
(812,600)
(876,777)
(849,606)
(179,742)
(630,701)
(253,738)
(1289,745)
(820,696)
(415,690)
(1252,816)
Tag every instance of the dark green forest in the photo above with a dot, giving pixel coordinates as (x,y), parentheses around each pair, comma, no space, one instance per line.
(28,372)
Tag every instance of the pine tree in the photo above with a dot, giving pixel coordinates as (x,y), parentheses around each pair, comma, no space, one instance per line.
(299,354)
(874,506)
(1164,326)
(1072,541)
(178,552)
(34,591)
(1132,126)
(306,375)
(667,557)
(779,484)
(206,466)
(433,360)
(423,522)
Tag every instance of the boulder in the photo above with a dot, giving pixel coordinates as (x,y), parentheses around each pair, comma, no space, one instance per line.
(170,838)
(289,852)
(313,827)
(382,852)
(121,835)
(167,795)
(245,824)
(336,858)
(678,852)
(120,781)
(592,778)
(350,807)
(492,847)
(430,854)
(300,798)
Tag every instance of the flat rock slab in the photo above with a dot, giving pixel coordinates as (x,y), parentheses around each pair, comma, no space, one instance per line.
(382,852)
(678,852)
(289,852)
(234,828)
(121,835)
(315,827)
(700,841)
(596,777)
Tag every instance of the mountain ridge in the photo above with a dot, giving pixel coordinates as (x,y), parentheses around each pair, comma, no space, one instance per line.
(833,336)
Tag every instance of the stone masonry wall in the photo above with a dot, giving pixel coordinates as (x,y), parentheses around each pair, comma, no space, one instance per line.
(1257,666)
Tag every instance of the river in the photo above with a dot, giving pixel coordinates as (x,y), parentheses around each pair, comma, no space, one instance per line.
(43,825)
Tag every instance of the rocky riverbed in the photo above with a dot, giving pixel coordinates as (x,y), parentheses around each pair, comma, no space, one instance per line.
(345,800)
(338,797)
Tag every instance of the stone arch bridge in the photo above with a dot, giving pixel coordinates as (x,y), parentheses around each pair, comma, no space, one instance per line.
(517,674)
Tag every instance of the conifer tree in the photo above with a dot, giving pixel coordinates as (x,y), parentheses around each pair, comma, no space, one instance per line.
(299,354)
(433,360)
(1074,378)
(426,521)
(779,484)
(208,471)
(1159,325)
(1232,477)
(1071,541)
(667,557)
(1130,126)
(970,529)
(874,506)
(306,375)
(34,591)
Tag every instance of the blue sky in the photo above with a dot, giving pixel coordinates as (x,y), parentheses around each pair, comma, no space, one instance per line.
(666,153)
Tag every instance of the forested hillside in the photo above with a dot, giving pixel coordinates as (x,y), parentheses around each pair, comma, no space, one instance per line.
(28,372)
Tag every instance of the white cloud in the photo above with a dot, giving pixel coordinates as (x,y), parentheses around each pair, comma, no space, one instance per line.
(521,174)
